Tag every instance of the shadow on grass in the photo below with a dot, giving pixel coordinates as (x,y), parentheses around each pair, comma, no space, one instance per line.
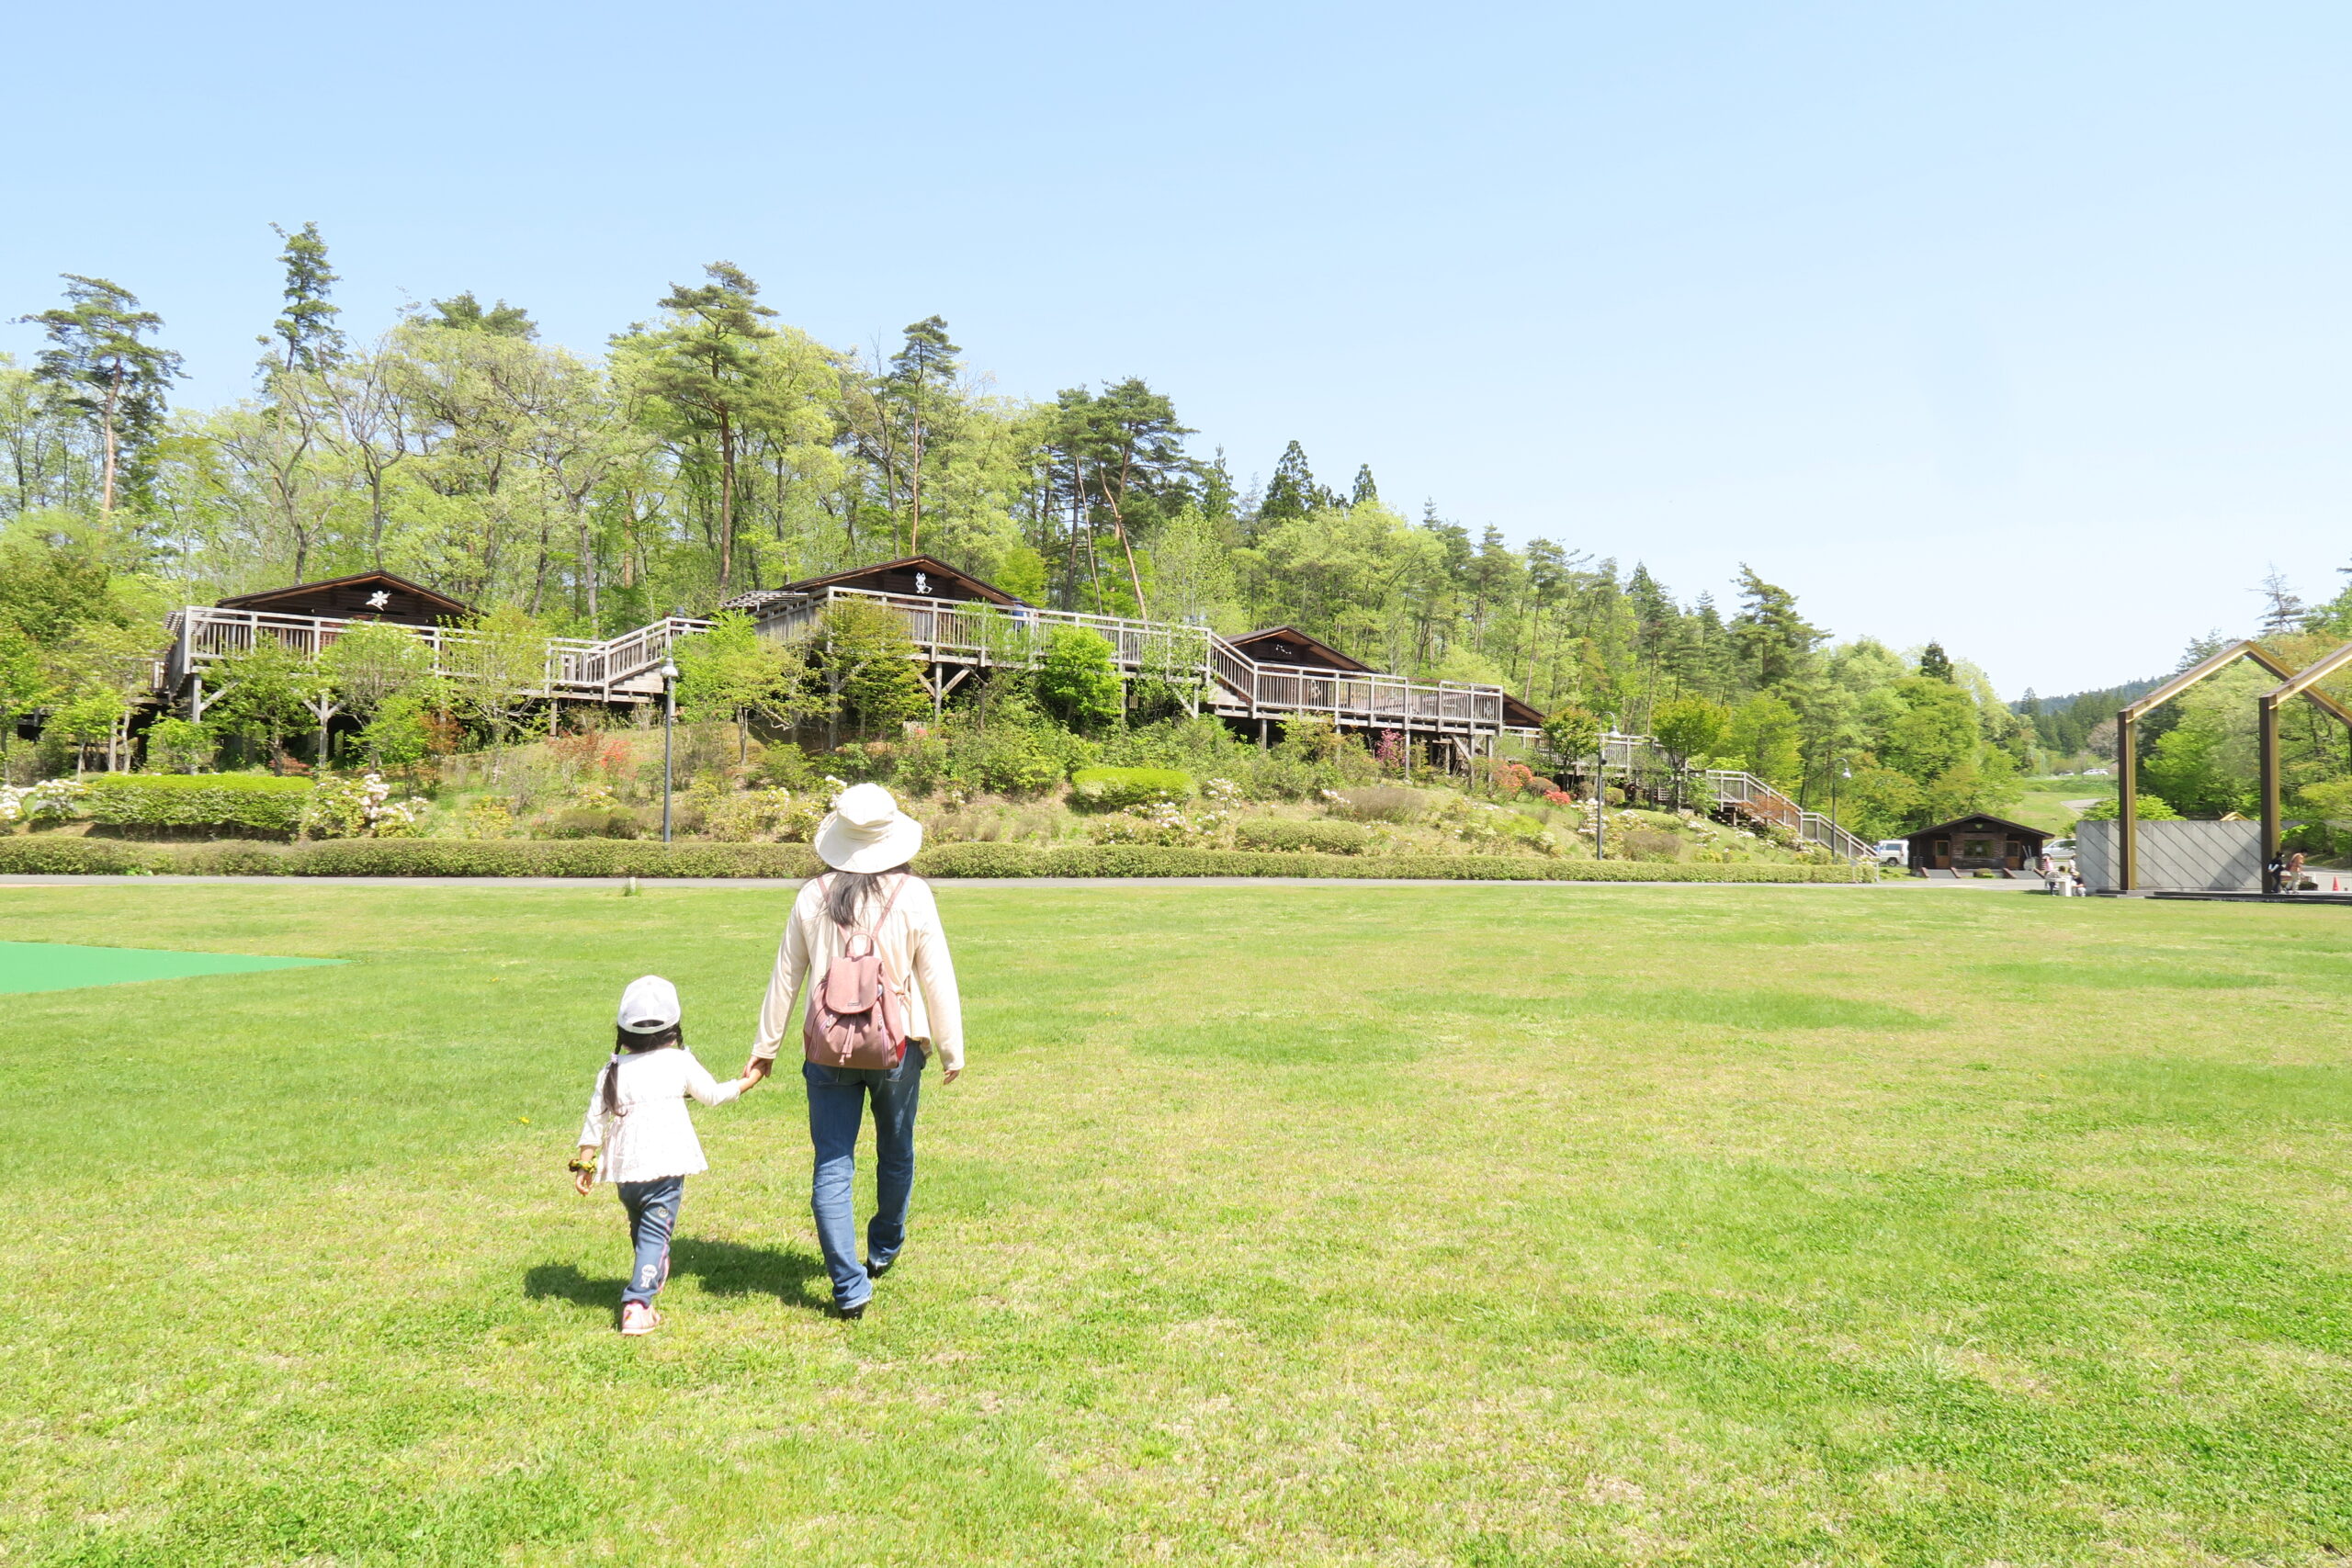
(725,1269)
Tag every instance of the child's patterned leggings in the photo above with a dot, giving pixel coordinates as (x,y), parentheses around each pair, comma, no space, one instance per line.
(653,1214)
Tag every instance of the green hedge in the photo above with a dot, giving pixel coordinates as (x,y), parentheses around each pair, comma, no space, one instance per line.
(256,803)
(1325,837)
(1110,789)
(58,854)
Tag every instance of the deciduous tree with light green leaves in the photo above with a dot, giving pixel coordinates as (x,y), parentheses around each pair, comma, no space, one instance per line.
(730,672)
(1078,680)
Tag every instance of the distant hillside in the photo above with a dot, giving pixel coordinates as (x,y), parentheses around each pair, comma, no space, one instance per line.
(2065,723)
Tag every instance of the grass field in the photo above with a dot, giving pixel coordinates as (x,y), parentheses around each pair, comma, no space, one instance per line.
(2042,802)
(1485,1225)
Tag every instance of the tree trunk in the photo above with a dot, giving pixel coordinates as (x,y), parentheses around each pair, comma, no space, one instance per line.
(106,488)
(726,505)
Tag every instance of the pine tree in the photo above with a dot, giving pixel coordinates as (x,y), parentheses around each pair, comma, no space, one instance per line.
(1292,492)
(926,362)
(307,325)
(464,313)
(1935,663)
(101,367)
(1366,492)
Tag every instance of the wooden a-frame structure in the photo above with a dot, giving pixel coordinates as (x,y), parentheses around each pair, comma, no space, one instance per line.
(2127,749)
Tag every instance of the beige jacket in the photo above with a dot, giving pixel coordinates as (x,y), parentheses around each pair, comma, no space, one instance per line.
(911,943)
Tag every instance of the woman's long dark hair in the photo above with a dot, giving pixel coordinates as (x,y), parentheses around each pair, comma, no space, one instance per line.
(850,891)
(630,1043)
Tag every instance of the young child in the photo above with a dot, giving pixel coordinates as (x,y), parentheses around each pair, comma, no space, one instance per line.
(636,1118)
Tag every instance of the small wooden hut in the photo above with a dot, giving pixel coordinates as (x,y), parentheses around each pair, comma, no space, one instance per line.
(1975,842)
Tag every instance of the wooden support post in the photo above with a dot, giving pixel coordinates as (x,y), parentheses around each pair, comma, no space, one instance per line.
(2126,792)
(2266,711)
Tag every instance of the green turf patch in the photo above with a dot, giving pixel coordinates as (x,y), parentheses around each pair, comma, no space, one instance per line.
(58,967)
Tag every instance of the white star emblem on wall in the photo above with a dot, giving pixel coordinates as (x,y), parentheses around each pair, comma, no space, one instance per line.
(922,583)
(379,599)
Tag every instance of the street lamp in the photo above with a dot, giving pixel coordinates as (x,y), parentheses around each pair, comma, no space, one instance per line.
(669,673)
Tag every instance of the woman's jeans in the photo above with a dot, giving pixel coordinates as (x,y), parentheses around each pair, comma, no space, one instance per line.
(836,1108)
(653,1214)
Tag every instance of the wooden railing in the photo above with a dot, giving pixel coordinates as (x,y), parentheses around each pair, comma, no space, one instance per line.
(1236,685)
(1636,758)
(205,635)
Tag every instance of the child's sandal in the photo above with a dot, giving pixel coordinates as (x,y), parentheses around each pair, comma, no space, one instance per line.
(638,1318)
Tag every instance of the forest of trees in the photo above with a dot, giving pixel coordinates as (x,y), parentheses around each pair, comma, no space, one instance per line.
(712,448)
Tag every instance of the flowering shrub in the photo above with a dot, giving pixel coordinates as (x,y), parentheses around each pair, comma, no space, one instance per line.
(1560,797)
(51,800)
(590,750)
(745,816)
(362,809)
(1223,792)
(1161,822)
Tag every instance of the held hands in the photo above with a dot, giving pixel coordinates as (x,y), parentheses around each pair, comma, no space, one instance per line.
(755,1069)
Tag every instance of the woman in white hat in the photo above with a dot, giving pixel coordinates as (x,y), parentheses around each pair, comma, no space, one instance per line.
(868,904)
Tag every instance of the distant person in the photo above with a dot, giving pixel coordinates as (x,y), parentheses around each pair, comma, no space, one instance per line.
(639,1137)
(2290,879)
(2047,869)
(882,998)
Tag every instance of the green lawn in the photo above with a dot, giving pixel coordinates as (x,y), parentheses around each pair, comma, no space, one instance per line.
(2043,802)
(1479,1224)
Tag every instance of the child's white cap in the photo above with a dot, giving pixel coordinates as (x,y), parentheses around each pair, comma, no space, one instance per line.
(649,1005)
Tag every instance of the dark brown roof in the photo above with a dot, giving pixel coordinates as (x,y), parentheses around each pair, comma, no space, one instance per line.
(1288,644)
(348,597)
(2002,823)
(1519,714)
(915,576)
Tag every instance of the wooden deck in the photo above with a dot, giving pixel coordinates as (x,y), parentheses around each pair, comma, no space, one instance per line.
(619,670)
(955,637)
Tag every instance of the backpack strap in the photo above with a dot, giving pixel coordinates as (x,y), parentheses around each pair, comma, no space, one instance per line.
(891,902)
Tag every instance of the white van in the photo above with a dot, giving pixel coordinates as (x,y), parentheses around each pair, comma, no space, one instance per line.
(1894,852)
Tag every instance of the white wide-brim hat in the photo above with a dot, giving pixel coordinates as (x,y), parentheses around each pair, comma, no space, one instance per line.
(867,831)
(649,1006)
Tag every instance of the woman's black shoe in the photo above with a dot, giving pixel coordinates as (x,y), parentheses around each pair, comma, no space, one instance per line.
(850,1314)
(875,1271)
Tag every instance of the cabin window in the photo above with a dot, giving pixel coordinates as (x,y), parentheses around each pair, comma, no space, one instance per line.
(1976,849)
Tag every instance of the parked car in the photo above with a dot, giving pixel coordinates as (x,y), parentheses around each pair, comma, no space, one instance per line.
(1894,852)
(2061,851)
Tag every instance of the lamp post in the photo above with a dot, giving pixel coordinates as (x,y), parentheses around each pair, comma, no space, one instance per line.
(1600,796)
(669,673)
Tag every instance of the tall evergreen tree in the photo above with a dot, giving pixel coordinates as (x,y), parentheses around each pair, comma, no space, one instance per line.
(465,313)
(923,367)
(100,365)
(1366,492)
(1292,493)
(1934,662)
(307,325)
(1772,640)
(704,364)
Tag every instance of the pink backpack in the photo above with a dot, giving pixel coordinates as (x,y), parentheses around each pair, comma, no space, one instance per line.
(856,1017)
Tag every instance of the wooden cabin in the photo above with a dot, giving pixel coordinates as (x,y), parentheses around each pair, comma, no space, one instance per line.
(1288,644)
(1976,842)
(363,596)
(911,577)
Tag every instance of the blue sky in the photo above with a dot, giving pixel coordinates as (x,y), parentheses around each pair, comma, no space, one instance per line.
(2019,326)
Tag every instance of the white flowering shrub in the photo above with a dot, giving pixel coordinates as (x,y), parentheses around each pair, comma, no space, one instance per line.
(1161,822)
(362,808)
(1224,792)
(51,800)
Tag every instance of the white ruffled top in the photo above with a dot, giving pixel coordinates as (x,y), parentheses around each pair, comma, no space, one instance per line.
(653,1136)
